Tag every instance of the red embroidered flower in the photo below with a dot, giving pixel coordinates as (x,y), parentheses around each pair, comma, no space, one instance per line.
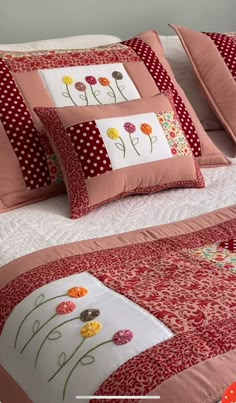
(122,337)
(53,169)
(91,80)
(104,81)
(79,86)
(77,292)
(129,127)
(65,307)
(174,151)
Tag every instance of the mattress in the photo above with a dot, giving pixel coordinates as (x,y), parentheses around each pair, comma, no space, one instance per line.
(47,223)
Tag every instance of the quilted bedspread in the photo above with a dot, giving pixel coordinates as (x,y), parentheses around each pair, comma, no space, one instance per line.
(150,312)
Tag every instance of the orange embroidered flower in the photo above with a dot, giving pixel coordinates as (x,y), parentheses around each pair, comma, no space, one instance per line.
(91,329)
(104,81)
(77,292)
(146,129)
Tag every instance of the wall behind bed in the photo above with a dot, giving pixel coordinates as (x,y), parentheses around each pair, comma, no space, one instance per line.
(29,20)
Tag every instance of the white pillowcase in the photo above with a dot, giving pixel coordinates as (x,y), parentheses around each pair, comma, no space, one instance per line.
(187,79)
(71,42)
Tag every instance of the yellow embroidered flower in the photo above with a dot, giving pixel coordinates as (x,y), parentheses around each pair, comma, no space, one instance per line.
(91,329)
(67,80)
(113,133)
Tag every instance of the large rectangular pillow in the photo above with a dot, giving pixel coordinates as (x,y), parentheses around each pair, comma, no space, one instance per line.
(108,152)
(213,57)
(132,69)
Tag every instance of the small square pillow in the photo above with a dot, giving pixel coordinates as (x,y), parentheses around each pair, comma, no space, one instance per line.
(213,56)
(132,69)
(108,152)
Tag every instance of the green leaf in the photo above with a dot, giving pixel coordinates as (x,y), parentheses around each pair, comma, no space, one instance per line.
(110,94)
(36,326)
(39,300)
(65,94)
(87,360)
(154,139)
(97,92)
(54,335)
(121,87)
(82,97)
(135,141)
(62,359)
(119,146)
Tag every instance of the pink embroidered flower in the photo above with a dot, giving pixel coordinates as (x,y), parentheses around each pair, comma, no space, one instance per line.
(129,127)
(122,337)
(79,86)
(91,80)
(65,307)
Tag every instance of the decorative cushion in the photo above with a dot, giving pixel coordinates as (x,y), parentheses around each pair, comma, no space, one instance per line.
(124,71)
(187,79)
(213,56)
(108,152)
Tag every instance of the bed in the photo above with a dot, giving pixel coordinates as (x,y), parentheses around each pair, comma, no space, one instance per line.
(136,298)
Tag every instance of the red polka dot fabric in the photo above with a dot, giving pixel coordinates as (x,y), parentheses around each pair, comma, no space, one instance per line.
(230,245)
(163,81)
(90,148)
(226,45)
(19,127)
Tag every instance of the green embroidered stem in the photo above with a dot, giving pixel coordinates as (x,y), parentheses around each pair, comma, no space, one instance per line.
(34,334)
(86,98)
(135,149)
(32,310)
(117,86)
(95,95)
(150,139)
(113,92)
(51,331)
(68,359)
(69,95)
(123,146)
(79,360)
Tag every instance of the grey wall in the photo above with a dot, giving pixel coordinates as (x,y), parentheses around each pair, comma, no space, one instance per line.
(29,20)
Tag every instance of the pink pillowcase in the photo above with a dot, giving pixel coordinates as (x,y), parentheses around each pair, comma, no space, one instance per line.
(213,56)
(108,152)
(29,170)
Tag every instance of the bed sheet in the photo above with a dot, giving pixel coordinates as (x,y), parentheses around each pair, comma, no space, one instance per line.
(47,223)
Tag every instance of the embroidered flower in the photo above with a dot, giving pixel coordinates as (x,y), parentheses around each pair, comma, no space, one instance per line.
(122,337)
(146,129)
(91,329)
(104,81)
(89,314)
(113,133)
(77,292)
(65,307)
(91,80)
(117,75)
(68,80)
(129,127)
(79,86)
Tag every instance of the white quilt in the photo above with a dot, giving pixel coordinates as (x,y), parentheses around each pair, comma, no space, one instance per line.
(47,223)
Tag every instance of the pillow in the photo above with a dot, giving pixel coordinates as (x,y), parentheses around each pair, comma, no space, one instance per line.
(108,152)
(187,79)
(124,71)
(213,56)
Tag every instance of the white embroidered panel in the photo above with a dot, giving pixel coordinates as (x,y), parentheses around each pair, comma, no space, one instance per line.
(89,85)
(54,348)
(134,140)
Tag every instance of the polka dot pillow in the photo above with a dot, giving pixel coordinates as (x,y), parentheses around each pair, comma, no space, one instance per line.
(133,69)
(213,56)
(108,152)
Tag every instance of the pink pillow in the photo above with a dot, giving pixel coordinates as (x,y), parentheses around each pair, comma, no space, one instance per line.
(108,152)
(213,57)
(137,68)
